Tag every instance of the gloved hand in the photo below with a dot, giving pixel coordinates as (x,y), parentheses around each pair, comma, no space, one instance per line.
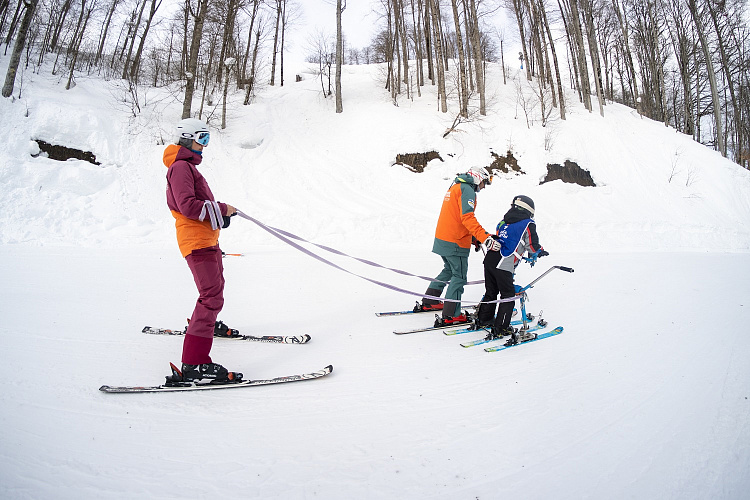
(231,212)
(476,243)
(543,253)
(491,244)
(531,259)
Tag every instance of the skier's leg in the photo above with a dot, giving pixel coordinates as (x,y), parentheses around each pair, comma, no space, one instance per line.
(436,287)
(459,266)
(486,312)
(207,269)
(507,290)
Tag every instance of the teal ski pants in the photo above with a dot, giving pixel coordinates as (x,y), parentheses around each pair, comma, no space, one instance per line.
(455,270)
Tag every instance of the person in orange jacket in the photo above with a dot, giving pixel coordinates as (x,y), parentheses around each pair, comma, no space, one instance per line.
(457,227)
(198,220)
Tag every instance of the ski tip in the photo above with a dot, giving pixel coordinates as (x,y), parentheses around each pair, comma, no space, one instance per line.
(145,329)
(328,369)
(104,388)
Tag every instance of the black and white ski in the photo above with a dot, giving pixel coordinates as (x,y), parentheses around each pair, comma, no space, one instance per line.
(201,386)
(413,311)
(275,339)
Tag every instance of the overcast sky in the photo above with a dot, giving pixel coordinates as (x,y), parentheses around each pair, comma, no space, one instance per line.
(358,22)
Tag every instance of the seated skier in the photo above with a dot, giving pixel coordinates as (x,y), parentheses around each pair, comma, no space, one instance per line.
(515,235)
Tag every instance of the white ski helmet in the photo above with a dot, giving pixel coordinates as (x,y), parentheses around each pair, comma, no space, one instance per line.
(523,201)
(480,174)
(192,129)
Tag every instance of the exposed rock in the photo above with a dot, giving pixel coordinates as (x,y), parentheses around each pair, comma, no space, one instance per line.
(570,173)
(62,153)
(416,162)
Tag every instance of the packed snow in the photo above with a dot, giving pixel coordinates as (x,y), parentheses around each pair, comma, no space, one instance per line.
(644,395)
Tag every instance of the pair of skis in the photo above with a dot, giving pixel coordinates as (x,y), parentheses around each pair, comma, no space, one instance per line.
(527,333)
(209,385)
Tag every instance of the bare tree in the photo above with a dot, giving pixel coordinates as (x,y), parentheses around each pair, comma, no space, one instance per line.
(18,46)
(279,12)
(105,29)
(463,91)
(339,54)
(711,75)
(137,59)
(438,44)
(192,63)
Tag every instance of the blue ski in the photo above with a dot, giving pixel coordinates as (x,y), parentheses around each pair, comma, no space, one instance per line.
(545,335)
(484,341)
(515,322)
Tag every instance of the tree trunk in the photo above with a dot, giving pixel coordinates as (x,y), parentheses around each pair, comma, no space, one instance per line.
(588,14)
(711,76)
(275,42)
(18,46)
(64,9)
(192,64)
(428,40)
(227,39)
(476,40)
(283,36)
(561,95)
(730,84)
(439,55)
(132,41)
(416,19)
(105,30)
(339,55)
(251,81)
(135,66)
(518,10)
(75,43)
(583,69)
(463,94)
(249,40)
(628,55)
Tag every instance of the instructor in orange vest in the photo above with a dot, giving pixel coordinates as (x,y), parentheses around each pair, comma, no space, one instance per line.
(456,227)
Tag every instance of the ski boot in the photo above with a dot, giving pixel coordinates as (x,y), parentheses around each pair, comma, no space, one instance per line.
(441,321)
(497,333)
(216,373)
(222,330)
(478,325)
(428,307)
(520,337)
(176,379)
(213,371)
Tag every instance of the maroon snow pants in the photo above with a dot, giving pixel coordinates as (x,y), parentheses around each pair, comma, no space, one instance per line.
(208,273)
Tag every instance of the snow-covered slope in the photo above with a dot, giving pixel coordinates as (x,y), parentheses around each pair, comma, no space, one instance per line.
(645,394)
(289,152)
